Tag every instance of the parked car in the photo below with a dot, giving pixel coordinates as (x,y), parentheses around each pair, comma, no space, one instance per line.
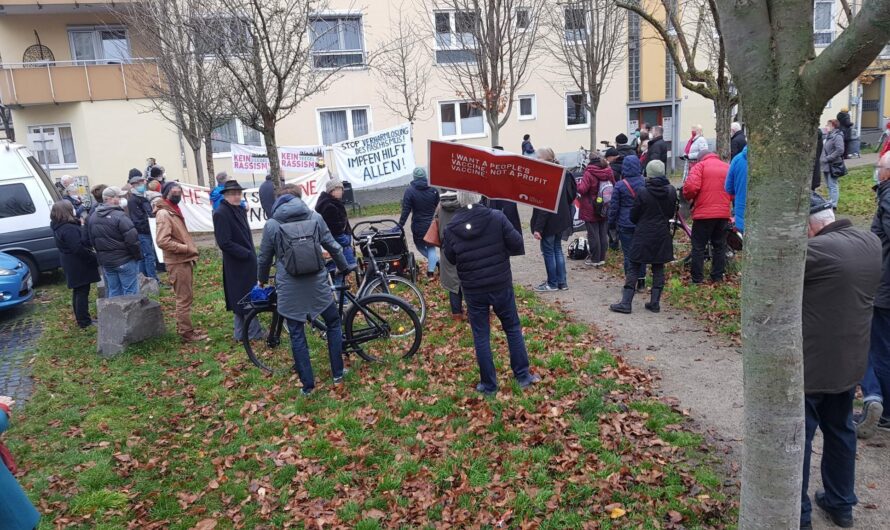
(26,195)
(16,282)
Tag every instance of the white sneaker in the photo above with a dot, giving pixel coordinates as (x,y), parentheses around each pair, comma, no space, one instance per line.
(599,264)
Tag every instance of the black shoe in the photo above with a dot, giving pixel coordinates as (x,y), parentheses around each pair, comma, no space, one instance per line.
(654,303)
(486,393)
(806,526)
(884,424)
(626,304)
(306,392)
(843,521)
(641,285)
(532,379)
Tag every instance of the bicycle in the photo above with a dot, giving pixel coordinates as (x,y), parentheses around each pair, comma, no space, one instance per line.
(683,210)
(373,326)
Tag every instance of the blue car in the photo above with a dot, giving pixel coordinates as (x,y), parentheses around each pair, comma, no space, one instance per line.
(16,284)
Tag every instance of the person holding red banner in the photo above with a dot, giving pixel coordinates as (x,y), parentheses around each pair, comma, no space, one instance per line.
(549,228)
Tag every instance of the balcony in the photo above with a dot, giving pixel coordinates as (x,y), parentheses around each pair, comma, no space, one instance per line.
(24,84)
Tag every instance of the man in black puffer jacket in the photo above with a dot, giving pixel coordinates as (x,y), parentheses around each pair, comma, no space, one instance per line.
(480,241)
(116,241)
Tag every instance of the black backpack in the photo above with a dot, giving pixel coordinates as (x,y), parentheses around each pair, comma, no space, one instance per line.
(578,248)
(298,248)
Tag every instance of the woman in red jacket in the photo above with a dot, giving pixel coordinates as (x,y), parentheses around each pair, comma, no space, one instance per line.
(598,176)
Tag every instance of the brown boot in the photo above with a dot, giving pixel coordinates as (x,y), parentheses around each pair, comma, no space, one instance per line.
(193,336)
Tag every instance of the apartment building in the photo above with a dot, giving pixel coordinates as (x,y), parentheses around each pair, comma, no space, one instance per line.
(70,72)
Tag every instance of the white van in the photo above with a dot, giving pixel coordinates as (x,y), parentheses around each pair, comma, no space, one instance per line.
(26,196)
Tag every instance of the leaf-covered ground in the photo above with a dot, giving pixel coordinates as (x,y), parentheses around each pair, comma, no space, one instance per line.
(182,436)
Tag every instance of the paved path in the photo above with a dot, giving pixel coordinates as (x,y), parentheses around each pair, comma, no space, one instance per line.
(20,328)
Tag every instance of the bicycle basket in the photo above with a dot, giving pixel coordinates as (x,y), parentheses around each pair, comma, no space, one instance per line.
(258,297)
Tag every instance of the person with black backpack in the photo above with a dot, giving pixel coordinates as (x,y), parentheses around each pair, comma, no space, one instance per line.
(596,188)
(293,238)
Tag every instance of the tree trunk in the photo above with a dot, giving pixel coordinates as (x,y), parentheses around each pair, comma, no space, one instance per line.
(272,150)
(199,167)
(593,144)
(495,135)
(772,292)
(208,155)
(723,110)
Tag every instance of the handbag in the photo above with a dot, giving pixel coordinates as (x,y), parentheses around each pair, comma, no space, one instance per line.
(837,169)
(432,235)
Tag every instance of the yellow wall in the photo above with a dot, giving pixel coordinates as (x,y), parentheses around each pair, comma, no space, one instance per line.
(652,57)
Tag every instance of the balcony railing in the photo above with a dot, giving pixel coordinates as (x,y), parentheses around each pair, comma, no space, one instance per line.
(73,81)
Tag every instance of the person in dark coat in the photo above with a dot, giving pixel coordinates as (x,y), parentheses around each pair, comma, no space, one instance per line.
(817,165)
(16,510)
(846,128)
(527,148)
(595,216)
(832,154)
(267,196)
(333,211)
(140,211)
(549,228)
(737,141)
(841,276)
(622,144)
(419,202)
(509,207)
(652,243)
(658,148)
(116,241)
(614,160)
(480,241)
(232,232)
(448,208)
(623,197)
(78,261)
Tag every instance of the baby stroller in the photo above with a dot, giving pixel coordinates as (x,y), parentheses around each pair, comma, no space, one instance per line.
(389,247)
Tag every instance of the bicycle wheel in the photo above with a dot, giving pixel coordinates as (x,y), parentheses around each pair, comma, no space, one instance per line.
(380,325)
(402,288)
(270,350)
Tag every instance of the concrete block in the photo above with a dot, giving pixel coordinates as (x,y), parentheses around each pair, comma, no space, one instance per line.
(125,320)
(100,289)
(149,286)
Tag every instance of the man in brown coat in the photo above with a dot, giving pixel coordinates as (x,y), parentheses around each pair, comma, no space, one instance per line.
(180,256)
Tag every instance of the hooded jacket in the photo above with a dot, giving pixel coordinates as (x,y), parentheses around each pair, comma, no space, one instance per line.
(588,189)
(420,201)
(299,297)
(448,208)
(832,149)
(651,212)
(550,224)
(113,236)
(480,241)
(706,186)
(880,226)
(334,213)
(622,198)
(173,237)
(737,186)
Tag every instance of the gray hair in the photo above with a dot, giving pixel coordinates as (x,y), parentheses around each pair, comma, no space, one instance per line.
(657,130)
(466,198)
(735,126)
(698,128)
(884,161)
(822,218)
(222,177)
(66,180)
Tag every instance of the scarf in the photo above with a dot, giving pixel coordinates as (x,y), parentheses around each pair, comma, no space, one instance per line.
(175,208)
(689,144)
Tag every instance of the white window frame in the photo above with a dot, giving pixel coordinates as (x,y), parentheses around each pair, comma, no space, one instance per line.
(459,135)
(239,131)
(455,44)
(338,15)
(534,114)
(349,128)
(96,30)
(832,24)
(63,164)
(585,14)
(565,115)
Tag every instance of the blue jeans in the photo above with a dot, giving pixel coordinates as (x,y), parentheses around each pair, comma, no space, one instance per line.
(300,348)
(429,252)
(147,263)
(345,241)
(122,279)
(876,383)
(554,260)
(626,236)
(834,189)
(503,303)
(833,414)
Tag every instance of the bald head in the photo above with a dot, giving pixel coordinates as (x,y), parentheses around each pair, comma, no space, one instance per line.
(884,167)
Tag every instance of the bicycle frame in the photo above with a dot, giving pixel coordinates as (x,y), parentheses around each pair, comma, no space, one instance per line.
(364,336)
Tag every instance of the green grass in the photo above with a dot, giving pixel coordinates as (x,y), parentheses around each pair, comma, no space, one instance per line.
(168,434)
(390,209)
(857,199)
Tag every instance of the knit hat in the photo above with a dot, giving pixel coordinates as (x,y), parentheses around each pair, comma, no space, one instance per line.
(222,177)
(655,168)
(621,139)
(133,173)
(168,187)
(818,203)
(612,152)
(419,173)
(631,167)
(333,184)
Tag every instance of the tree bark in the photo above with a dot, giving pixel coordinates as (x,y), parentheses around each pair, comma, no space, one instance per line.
(723,110)
(208,155)
(593,145)
(272,150)
(199,167)
(495,135)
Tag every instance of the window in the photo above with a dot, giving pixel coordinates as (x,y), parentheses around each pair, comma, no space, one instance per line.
(633,57)
(337,42)
(576,112)
(461,119)
(339,125)
(454,38)
(227,35)
(15,200)
(99,44)
(234,132)
(527,107)
(53,144)
(523,18)
(575,24)
(823,22)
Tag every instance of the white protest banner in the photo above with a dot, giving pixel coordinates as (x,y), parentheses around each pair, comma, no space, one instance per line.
(375,158)
(198,211)
(253,159)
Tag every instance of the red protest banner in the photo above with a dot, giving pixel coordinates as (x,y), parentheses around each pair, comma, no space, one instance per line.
(496,174)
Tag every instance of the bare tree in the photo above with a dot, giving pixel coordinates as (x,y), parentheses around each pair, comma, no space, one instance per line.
(185,88)
(266,47)
(784,87)
(587,39)
(404,68)
(486,48)
(690,27)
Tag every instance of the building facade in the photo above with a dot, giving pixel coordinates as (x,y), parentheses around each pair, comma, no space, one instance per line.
(70,73)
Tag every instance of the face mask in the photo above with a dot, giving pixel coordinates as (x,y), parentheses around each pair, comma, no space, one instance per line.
(175,199)
(140,189)
(123,203)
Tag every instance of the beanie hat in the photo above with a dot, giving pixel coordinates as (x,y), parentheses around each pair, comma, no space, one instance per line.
(333,184)
(621,139)
(156,172)
(222,177)
(818,203)
(419,173)
(134,173)
(631,167)
(168,187)
(612,152)
(655,168)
